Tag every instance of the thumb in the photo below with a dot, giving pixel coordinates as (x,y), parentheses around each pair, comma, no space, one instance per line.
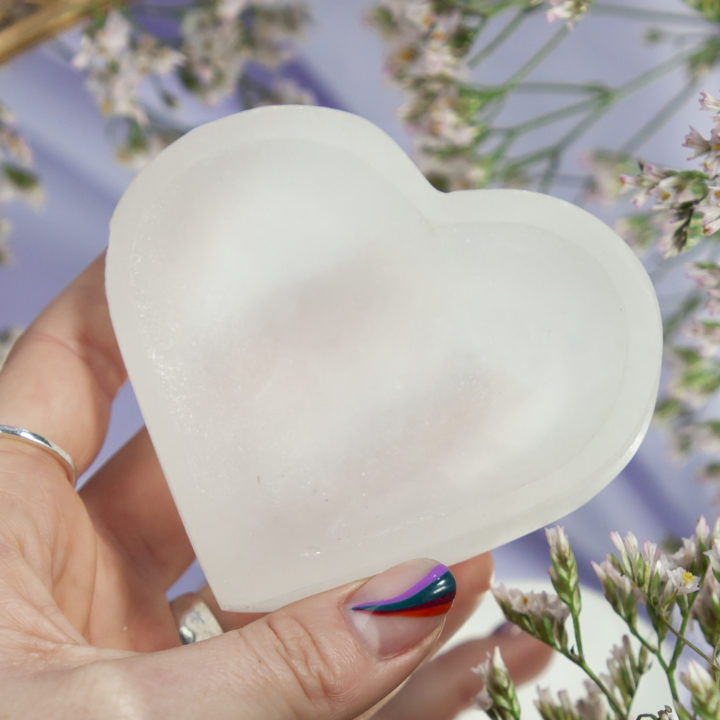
(333,655)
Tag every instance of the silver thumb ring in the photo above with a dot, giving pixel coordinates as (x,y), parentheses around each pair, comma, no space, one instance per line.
(194,619)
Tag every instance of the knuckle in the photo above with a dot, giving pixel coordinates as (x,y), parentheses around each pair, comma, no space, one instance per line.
(317,676)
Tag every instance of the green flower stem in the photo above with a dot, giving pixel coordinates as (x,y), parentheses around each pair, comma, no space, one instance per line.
(598,107)
(681,641)
(548,176)
(690,304)
(582,664)
(504,34)
(646,15)
(653,74)
(643,640)
(578,634)
(554,152)
(546,50)
(531,158)
(571,179)
(481,6)
(670,675)
(547,118)
(676,102)
(561,88)
(682,711)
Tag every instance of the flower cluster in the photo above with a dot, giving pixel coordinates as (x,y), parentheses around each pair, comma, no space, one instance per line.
(633,575)
(563,571)
(18,180)
(625,667)
(118,60)
(590,707)
(544,615)
(605,169)
(429,43)
(649,575)
(568,10)
(677,201)
(703,690)
(686,203)
(220,42)
(497,697)
(707,276)
(684,212)
(541,614)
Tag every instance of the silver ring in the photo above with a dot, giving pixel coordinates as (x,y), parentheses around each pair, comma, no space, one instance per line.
(194,619)
(31,438)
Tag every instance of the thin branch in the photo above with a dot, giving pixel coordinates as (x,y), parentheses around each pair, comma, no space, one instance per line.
(546,50)
(582,664)
(640,136)
(655,73)
(547,118)
(561,88)
(647,15)
(499,39)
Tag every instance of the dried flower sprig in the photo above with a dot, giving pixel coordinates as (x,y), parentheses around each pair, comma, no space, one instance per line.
(703,690)
(118,60)
(686,202)
(568,10)
(18,179)
(685,215)
(498,697)
(432,50)
(219,47)
(676,590)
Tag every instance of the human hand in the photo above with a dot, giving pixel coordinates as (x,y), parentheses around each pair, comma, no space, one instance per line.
(85,626)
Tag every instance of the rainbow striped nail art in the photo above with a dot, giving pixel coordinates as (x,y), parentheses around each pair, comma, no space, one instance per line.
(433,595)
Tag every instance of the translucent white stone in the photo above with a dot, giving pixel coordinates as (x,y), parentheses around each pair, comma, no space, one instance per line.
(342,368)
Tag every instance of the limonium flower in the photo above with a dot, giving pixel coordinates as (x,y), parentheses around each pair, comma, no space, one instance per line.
(561,707)
(707,276)
(563,571)
(706,608)
(704,692)
(707,335)
(619,591)
(498,697)
(568,10)
(709,102)
(542,614)
(118,61)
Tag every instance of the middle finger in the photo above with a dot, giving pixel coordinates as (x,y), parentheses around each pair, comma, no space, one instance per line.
(130,502)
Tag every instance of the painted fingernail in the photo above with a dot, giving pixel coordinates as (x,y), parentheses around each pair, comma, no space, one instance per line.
(398,609)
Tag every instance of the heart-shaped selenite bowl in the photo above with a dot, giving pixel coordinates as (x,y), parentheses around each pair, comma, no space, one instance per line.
(342,368)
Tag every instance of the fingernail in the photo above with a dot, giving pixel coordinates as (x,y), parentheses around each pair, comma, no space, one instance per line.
(398,609)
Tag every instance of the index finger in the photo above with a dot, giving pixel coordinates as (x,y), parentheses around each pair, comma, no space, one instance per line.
(64,371)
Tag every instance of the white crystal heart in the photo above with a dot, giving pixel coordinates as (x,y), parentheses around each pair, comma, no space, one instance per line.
(342,368)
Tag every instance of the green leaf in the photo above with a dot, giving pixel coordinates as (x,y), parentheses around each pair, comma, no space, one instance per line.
(710,9)
(20,177)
